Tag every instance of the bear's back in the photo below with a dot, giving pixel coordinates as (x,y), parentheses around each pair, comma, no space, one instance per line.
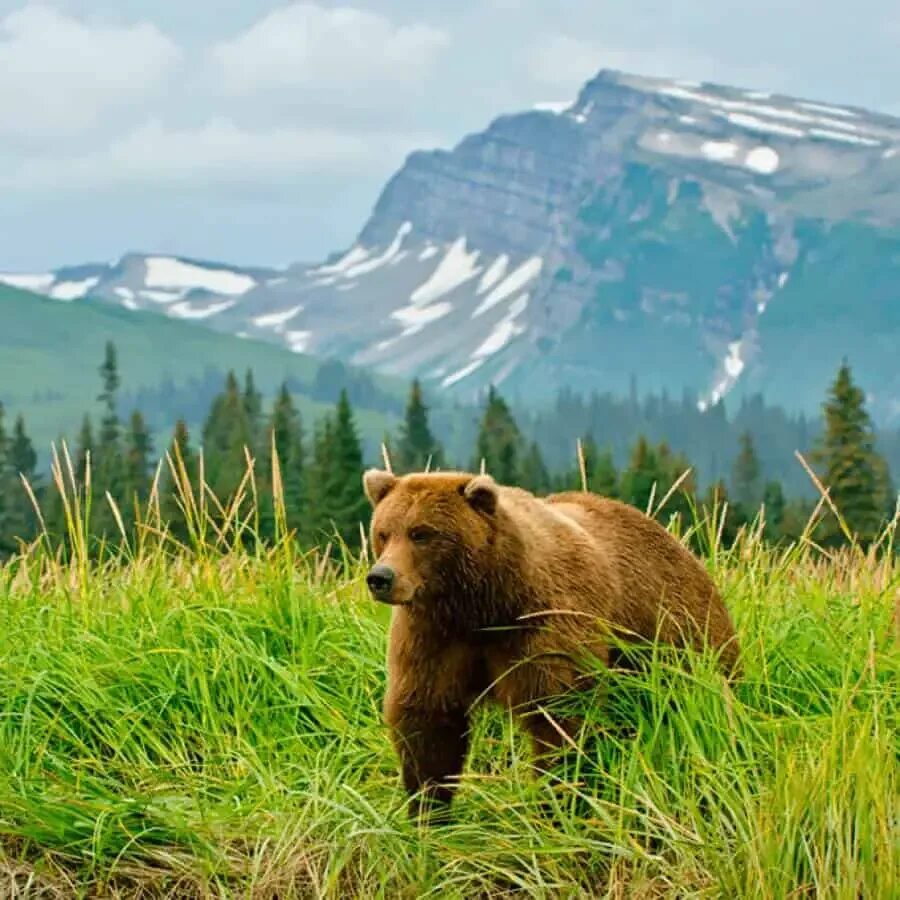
(664,586)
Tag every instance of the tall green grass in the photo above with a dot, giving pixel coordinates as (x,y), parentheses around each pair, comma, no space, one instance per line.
(205,721)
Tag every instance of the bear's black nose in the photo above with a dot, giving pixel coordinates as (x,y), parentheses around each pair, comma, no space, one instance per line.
(380,581)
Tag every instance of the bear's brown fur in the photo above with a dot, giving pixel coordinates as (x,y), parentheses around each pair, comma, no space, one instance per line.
(498,594)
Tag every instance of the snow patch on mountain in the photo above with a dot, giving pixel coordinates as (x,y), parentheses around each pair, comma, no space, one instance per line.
(504,331)
(512,284)
(353,256)
(169,273)
(415,318)
(36,283)
(553,106)
(277,320)
(392,251)
(831,135)
(127,297)
(752,123)
(456,268)
(732,367)
(185,310)
(73,290)
(495,272)
(298,341)
(464,372)
(829,110)
(719,151)
(764,160)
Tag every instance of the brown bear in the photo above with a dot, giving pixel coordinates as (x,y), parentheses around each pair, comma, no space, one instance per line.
(498,594)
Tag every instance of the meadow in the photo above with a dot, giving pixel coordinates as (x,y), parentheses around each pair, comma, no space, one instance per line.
(204,721)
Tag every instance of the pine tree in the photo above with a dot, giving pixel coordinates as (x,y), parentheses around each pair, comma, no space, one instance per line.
(849,466)
(21,464)
(317,525)
(226,435)
(286,435)
(84,451)
(174,491)
(674,468)
(335,498)
(746,478)
(109,456)
(108,465)
(642,479)
(604,479)
(253,409)
(347,498)
(7,537)
(534,476)
(138,450)
(416,446)
(499,444)
(717,503)
(773,500)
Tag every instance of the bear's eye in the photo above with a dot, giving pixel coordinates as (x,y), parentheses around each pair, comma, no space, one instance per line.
(381,537)
(420,534)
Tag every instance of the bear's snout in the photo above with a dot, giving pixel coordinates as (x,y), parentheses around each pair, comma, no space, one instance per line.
(381,582)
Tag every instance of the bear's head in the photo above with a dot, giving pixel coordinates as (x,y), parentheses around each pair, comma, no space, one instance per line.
(436,538)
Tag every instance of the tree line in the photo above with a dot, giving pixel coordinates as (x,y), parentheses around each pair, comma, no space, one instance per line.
(309,474)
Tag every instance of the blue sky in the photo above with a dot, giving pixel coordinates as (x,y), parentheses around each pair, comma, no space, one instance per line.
(254,131)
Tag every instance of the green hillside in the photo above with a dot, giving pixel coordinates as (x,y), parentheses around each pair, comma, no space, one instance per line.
(50,352)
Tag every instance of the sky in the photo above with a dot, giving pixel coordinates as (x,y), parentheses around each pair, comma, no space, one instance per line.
(262,131)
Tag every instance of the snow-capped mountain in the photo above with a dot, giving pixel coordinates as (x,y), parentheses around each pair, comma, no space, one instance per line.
(693,236)
(182,288)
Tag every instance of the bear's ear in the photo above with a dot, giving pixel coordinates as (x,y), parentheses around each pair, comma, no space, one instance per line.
(482,495)
(378,485)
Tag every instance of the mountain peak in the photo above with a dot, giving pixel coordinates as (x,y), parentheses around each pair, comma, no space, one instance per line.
(691,235)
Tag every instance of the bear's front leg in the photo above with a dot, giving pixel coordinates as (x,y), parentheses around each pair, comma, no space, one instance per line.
(432,747)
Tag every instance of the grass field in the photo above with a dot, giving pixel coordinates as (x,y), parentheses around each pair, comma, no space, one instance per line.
(208,724)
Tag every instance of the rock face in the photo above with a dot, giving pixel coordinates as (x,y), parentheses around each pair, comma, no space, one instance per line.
(692,236)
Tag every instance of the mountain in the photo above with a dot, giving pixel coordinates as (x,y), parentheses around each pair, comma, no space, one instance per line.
(50,354)
(689,236)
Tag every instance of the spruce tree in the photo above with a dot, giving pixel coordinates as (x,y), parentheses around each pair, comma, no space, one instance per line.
(746,478)
(849,465)
(534,476)
(604,478)
(84,452)
(7,537)
(347,499)
(672,468)
(138,450)
(717,502)
(416,446)
(599,467)
(174,491)
(253,409)
(317,524)
(226,435)
(21,463)
(642,479)
(286,436)
(109,469)
(773,500)
(499,443)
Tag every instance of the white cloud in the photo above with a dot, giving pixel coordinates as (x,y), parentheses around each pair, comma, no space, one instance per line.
(58,75)
(311,49)
(217,152)
(565,62)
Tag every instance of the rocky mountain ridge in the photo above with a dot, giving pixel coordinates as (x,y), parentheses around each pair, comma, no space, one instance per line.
(693,236)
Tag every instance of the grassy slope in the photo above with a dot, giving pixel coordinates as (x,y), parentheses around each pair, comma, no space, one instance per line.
(50,353)
(214,728)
